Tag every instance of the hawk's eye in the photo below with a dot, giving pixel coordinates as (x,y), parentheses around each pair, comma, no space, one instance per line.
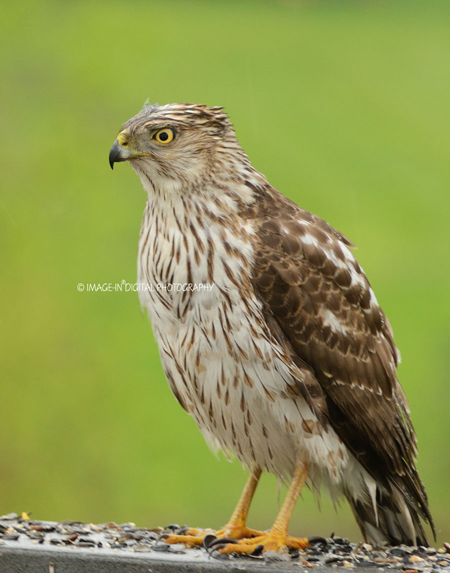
(164,136)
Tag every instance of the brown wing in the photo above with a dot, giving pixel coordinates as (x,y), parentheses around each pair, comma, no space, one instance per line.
(316,294)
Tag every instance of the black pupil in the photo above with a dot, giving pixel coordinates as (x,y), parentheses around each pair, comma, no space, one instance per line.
(164,136)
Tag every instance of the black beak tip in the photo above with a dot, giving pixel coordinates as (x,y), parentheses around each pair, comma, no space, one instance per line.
(115,155)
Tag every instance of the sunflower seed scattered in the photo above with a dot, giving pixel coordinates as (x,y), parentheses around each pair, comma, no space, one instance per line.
(334,552)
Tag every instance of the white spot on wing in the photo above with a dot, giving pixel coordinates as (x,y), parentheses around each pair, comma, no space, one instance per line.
(331,320)
(347,252)
(373,298)
(309,240)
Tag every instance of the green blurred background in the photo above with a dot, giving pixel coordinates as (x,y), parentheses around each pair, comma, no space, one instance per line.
(344,106)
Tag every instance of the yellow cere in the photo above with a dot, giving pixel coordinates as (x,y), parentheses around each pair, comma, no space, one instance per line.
(122,138)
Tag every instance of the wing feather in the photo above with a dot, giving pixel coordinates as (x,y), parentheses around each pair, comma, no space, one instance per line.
(318,300)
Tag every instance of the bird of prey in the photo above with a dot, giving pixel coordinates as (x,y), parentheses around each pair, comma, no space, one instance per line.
(288,361)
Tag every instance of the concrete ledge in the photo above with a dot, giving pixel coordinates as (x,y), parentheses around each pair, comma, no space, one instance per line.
(57,560)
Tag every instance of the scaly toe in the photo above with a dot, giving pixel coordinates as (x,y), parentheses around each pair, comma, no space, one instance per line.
(266,542)
(194,537)
(191,538)
(238,532)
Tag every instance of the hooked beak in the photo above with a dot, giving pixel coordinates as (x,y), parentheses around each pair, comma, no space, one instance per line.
(118,154)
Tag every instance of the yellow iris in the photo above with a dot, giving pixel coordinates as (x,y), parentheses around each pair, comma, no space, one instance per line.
(164,136)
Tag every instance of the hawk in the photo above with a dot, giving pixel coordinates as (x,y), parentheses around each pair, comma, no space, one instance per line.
(288,361)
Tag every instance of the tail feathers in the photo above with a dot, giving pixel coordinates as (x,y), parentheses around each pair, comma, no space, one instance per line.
(389,520)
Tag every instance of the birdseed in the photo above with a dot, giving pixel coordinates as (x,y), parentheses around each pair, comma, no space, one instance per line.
(334,552)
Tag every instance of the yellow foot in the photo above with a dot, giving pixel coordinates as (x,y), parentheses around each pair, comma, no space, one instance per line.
(269,541)
(194,536)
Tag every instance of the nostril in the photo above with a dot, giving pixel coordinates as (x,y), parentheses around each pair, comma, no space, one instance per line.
(122,139)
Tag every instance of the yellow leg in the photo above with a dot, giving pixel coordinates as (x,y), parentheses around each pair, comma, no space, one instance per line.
(236,528)
(277,539)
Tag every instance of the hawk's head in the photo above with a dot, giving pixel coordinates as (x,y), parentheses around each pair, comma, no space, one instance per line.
(176,145)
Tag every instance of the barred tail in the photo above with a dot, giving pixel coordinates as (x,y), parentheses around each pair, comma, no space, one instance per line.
(390,520)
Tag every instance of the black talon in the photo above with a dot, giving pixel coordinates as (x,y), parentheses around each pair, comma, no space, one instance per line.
(212,550)
(258,550)
(222,541)
(208,539)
